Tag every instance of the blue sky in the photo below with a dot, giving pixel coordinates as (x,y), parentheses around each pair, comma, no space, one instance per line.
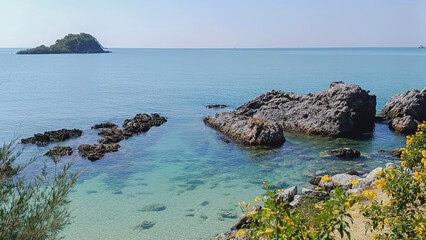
(216,23)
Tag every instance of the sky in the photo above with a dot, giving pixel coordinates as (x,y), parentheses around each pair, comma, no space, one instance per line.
(216,23)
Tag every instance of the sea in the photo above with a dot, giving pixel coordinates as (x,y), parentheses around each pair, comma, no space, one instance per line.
(180,180)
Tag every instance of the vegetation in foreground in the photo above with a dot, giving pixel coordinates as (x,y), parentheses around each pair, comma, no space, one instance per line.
(71,43)
(402,217)
(36,209)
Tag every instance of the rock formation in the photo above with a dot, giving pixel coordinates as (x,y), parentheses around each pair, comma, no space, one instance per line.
(52,136)
(405,111)
(59,151)
(96,151)
(345,153)
(341,110)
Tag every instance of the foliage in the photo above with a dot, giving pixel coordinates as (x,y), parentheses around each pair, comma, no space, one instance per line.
(277,221)
(37,209)
(404,216)
(71,43)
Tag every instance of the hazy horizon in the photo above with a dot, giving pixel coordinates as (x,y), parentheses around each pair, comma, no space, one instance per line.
(216,24)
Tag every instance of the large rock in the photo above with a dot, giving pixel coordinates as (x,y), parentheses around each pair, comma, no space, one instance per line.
(52,136)
(248,130)
(141,123)
(345,153)
(341,110)
(96,151)
(287,196)
(405,110)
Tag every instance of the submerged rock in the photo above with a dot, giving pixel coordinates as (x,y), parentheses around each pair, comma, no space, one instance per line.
(154,208)
(59,151)
(341,110)
(52,136)
(346,153)
(141,123)
(96,151)
(405,111)
(145,225)
(394,152)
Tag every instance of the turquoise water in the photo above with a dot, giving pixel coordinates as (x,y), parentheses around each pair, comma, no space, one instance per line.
(183,163)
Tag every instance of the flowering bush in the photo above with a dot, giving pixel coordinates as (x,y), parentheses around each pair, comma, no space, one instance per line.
(404,215)
(278,221)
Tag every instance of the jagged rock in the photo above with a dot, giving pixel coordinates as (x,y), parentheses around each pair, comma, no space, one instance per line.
(295,201)
(394,152)
(105,125)
(405,110)
(346,153)
(216,106)
(243,219)
(315,180)
(96,151)
(59,151)
(368,180)
(287,196)
(52,136)
(341,110)
(142,122)
(342,180)
(113,135)
(248,131)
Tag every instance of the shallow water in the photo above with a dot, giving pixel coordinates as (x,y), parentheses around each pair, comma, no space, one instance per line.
(183,165)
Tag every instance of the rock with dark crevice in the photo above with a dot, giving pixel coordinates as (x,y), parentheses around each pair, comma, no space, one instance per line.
(341,110)
(96,151)
(59,151)
(52,136)
(405,110)
(113,135)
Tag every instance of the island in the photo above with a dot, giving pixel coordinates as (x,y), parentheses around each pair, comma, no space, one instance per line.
(71,43)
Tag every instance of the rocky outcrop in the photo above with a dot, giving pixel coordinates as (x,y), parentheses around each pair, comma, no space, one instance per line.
(216,106)
(341,110)
(405,111)
(52,136)
(96,151)
(59,151)
(248,130)
(112,135)
(346,153)
(104,125)
(141,123)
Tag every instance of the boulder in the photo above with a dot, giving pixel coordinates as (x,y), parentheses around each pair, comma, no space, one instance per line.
(405,110)
(243,219)
(52,136)
(248,130)
(346,153)
(113,135)
(296,200)
(287,196)
(96,151)
(394,152)
(59,151)
(315,180)
(142,122)
(104,125)
(341,110)
(342,180)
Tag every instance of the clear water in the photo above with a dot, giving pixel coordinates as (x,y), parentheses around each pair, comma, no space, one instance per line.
(184,163)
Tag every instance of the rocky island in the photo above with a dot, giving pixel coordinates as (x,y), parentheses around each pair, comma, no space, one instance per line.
(341,110)
(71,43)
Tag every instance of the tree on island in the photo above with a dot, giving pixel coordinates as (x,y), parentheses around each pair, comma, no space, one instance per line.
(71,43)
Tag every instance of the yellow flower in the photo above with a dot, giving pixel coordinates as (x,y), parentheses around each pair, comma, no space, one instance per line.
(240,233)
(403,163)
(251,213)
(371,194)
(268,230)
(260,232)
(335,212)
(257,199)
(379,173)
(318,206)
(355,194)
(347,205)
(354,182)
(326,178)
(318,188)
(365,193)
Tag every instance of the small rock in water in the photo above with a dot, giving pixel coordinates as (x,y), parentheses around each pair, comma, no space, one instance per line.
(153,208)
(105,125)
(91,191)
(204,217)
(145,225)
(216,106)
(190,215)
(225,140)
(204,203)
(345,153)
